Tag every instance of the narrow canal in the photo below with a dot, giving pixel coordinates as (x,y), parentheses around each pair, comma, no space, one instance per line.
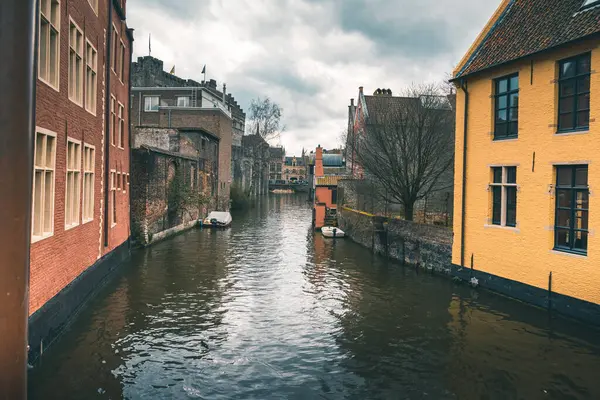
(267,309)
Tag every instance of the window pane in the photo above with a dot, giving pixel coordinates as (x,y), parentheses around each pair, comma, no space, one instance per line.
(50,143)
(567,69)
(511,175)
(38,185)
(581,219)
(567,88)
(511,206)
(583,84)
(514,114)
(582,199)
(567,104)
(563,218)
(564,176)
(583,119)
(48,195)
(581,176)
(501,130)
(496,205)
(564,198)
(43,49)
(513,129)
(562,238)
(514,82)
(39,150)
(502,85)
(583,66)
(583,102)
(514,100)
(497,172)
(502,102)
(501,116)
(580,242)
(565,121)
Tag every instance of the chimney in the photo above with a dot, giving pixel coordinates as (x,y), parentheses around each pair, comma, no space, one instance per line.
(360,89)
(319,162)
(351,102)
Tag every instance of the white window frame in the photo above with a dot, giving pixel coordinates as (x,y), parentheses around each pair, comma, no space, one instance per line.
(113,120)
(121,127)
(150,109)
(504,184)
(114,38)
(77,172)
(52,25)
(121,61)
(45,168)
(113,198)
(186,103)
(78,97)
(94,5)
(89,170)
(93,67)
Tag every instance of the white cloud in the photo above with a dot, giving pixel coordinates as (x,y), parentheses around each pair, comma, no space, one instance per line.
(310,56)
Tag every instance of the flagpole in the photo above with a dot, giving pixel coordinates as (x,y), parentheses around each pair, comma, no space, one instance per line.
(150,44)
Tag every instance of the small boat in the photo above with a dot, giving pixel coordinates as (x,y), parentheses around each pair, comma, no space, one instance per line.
(332,232)
(217,219)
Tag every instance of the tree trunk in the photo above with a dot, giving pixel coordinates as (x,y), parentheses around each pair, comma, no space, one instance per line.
(409,211)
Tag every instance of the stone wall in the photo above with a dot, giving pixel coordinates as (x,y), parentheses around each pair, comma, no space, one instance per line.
(427,246)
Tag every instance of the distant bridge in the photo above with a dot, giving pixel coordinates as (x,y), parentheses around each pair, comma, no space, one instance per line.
(289,186)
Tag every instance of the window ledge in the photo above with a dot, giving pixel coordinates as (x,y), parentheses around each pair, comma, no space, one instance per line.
(568,253)
(69,227)
(573,132)
(91,112)
(49,84)
(112,225)
(505,228)
(76,103)
(35,239)
(87,221)
(508,139)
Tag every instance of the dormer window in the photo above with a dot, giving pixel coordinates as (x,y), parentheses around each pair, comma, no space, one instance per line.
(590,3)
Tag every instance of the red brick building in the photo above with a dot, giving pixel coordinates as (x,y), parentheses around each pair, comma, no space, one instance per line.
(80,206)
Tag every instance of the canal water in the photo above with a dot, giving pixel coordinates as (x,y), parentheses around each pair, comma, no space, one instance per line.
(270,310)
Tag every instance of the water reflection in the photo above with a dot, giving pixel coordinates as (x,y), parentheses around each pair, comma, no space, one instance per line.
(268,309)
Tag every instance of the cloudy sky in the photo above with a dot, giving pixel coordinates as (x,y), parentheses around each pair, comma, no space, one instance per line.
(310,56)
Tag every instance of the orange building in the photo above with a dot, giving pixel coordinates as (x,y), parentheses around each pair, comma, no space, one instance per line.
(325,189)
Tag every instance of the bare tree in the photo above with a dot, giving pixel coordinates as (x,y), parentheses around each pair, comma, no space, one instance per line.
(408,145)
(265,119)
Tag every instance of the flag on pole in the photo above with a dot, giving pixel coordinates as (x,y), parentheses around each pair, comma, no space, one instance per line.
(150,44)
(172,70)
(204,69)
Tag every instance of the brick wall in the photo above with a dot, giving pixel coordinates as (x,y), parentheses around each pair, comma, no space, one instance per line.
(57,260)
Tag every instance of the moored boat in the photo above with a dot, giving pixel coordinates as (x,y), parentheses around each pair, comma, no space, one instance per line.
(217,219)
(332,232)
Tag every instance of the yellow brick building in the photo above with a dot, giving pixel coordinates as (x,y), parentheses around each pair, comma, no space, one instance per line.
(527,209)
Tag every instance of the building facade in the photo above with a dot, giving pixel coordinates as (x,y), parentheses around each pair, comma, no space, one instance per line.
(294,169)
(185,105)
(276,161)
(80,212)
(527,115)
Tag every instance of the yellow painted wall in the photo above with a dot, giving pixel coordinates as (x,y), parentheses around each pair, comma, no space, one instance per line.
(525,253)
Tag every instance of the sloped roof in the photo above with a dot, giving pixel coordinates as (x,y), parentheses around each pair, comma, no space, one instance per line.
(253,140)
(276,152)
(329,180)
(333,160)
(290,160)
(380,106)
(527,27)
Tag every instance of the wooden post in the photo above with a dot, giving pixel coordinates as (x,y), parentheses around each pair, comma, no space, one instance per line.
(17,116)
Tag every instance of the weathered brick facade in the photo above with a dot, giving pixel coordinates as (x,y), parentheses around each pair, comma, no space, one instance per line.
(60,257)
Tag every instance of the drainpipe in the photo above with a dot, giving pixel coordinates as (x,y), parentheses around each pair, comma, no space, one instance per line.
(464,87)
(130,36)
(18,79)
(107,124)
(139,109)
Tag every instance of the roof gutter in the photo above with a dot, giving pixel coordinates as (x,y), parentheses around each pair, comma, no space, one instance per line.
(465,89)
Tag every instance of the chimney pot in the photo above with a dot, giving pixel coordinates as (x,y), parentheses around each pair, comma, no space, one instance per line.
(352,102)
(360,89)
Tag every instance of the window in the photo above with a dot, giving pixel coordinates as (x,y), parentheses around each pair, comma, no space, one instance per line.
(75,64)
(151,103)
(121,127)
(113,119)
(49,46)
(506,107)
(183,101)
(572,209)
(504,196)
(91,78)
(43,184)
(94,5)
(121,60)
(590,3)
(334,196)
(574,93)
(114,43)
(119,181)
(73,183)
(113,197)
(89,161)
